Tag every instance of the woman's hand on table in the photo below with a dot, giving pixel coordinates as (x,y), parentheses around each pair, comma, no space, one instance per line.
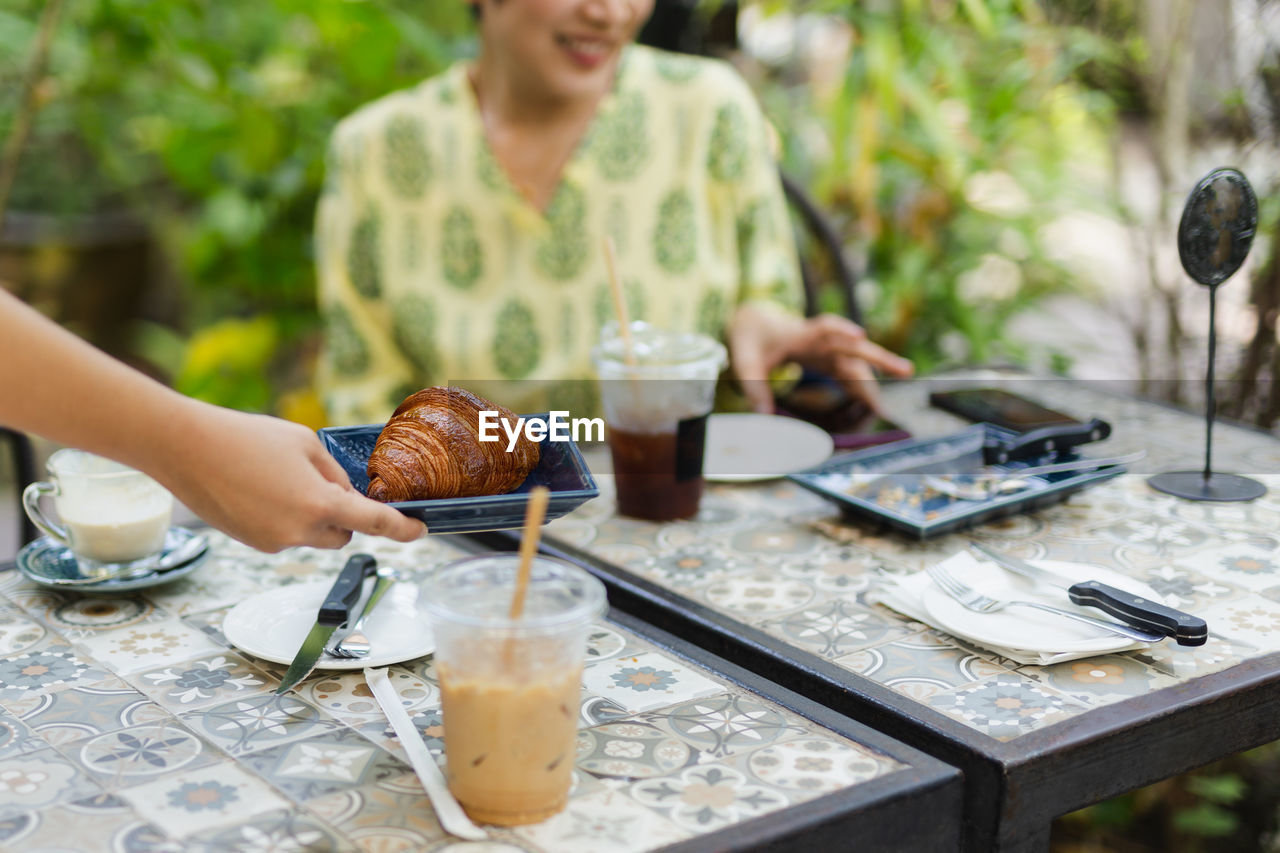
(762,338)
(271,484)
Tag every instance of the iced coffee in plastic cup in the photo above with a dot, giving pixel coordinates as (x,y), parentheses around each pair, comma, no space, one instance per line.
(655,406)
(510,689)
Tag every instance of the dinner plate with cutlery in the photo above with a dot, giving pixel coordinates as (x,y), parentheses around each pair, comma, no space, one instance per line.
(312,625)
(1050,605)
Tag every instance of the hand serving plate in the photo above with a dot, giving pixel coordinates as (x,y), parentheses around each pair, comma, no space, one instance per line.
(561,469)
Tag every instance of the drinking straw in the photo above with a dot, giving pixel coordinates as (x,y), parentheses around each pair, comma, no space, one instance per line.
(619,303)
(528,546)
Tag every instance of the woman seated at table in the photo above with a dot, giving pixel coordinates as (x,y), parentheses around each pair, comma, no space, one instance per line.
(460,234)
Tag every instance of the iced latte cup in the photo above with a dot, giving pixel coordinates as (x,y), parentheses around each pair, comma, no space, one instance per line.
(656,399)
(510,690)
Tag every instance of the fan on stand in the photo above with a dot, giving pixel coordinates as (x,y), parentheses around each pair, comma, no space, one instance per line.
(1214,236)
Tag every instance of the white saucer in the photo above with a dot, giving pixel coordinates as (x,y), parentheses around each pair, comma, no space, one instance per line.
(273,624)
(748,447)
(1023,628)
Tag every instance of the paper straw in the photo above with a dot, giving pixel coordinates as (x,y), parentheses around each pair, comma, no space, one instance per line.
(619,303)
(528,546)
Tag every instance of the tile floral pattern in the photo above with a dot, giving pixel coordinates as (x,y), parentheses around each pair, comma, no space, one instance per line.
(80,826)
(1006,706)
(139,754)
(204,681)
(259,722)
(84,710)
(921,665)
(191,803)
(129,723)
(836,628)
(783,561)
(725,724)
(44,670)
(708,796)
(40,779)
(647,681)
(145,646)
(814,764)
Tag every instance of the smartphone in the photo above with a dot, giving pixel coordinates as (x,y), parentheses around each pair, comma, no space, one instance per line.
(998,407)
(851,422)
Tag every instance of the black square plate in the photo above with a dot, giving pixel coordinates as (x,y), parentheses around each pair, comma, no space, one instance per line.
(561,469)
(895,492)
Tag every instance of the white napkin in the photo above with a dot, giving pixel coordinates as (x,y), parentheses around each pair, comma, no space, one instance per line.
(906,594)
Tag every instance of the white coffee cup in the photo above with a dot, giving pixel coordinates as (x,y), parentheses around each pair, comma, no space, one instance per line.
(109,513)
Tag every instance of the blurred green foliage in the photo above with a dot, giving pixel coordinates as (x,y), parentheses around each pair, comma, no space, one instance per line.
(209,121)
(1231,806)
(950,137)
(953,133)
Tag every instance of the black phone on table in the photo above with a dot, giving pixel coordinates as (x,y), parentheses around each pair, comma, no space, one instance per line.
(999,407)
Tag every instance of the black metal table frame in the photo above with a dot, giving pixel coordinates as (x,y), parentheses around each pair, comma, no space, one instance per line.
(1013,789)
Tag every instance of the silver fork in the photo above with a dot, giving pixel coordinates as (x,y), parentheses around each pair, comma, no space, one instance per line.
(354,644)
(980,603)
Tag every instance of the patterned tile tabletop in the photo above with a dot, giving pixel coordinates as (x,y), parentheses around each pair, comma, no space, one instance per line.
(782,560)
(128,723)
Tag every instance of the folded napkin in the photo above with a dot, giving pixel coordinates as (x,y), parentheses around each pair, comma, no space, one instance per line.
(1054,639)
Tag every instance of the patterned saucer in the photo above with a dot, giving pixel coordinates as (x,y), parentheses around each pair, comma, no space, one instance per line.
(50,563)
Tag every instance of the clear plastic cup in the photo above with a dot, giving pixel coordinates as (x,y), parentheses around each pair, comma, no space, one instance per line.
(656,406)
(510,688)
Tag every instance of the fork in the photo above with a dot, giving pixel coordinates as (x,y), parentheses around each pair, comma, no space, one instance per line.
(980,603)
(354,644)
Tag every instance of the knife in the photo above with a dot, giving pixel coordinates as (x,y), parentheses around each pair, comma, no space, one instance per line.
(333,612)
(386,578)
(1187,630)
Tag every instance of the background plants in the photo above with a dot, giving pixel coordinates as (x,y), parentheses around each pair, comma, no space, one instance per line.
(947,136)
(208,121)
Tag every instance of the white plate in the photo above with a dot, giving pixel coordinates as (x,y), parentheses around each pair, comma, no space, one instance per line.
(1022,627)
(746,447)
(273,624)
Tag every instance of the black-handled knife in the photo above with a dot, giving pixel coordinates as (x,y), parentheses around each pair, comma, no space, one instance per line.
(333,612)
(346,590)
(1131,609)
(1049,439)
(1186,630)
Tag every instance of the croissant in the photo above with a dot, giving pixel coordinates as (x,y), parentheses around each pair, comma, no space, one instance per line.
(431,448)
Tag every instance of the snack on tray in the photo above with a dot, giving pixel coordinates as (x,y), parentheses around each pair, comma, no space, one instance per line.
(431,449)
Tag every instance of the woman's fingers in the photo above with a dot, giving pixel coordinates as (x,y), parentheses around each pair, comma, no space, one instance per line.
(830,338)
(858,381)
(753,377)
(358,513)
(760,341)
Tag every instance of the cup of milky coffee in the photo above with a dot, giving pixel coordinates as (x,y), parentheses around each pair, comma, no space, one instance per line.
(108,514)
(510,688)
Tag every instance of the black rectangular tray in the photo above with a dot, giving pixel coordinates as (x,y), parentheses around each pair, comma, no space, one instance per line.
(899,497)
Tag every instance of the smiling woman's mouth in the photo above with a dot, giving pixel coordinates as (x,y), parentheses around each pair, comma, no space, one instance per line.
(585,51)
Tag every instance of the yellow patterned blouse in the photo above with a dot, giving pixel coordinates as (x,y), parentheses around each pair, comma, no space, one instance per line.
(433,268)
